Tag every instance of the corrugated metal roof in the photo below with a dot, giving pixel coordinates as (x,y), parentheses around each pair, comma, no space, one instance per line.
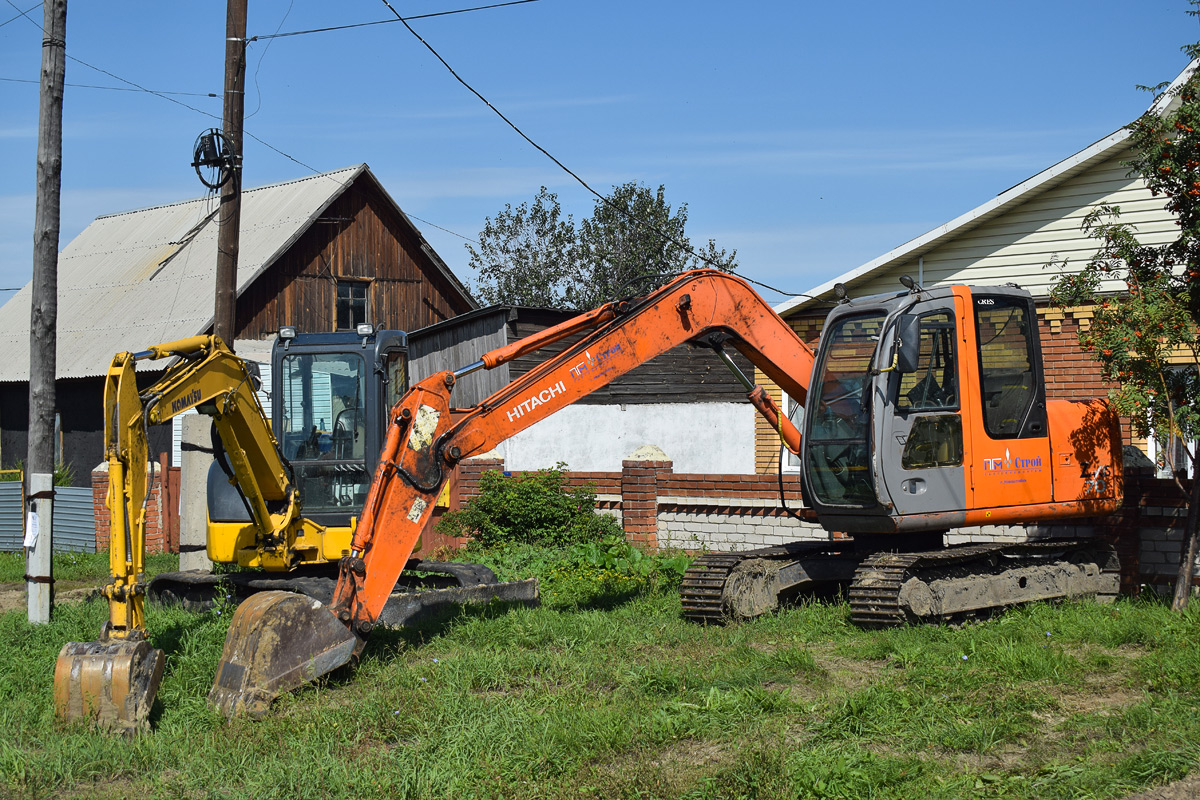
(144,277)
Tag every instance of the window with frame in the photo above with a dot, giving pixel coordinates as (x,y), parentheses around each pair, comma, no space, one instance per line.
(1008,369)
(351,306)
(933,385)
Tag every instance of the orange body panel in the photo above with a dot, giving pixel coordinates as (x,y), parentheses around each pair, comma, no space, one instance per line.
(1073,471)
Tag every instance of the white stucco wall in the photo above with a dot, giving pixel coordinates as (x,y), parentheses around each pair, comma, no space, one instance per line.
(697,437)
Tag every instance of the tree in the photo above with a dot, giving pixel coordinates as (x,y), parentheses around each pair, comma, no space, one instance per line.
(630,245)
(527,256)
(1144,335)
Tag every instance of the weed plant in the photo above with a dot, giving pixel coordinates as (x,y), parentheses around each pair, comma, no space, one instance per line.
(536,508)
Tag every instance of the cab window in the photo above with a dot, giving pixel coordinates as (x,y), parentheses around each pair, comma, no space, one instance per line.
(1013,405)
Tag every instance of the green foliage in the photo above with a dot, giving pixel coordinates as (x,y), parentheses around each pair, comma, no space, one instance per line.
(536,508)
(599,573)
(632,243)
(64,473)
(528,255)
(1147,297)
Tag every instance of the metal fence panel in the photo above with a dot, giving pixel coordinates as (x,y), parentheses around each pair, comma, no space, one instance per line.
(74,518)
(12,523)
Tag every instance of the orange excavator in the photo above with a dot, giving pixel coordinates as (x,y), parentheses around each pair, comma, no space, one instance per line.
(925,411)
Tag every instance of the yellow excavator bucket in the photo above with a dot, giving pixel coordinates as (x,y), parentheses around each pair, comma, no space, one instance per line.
(109,683)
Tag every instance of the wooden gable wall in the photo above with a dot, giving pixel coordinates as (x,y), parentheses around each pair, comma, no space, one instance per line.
(359,237)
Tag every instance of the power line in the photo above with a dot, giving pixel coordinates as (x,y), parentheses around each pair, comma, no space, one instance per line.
(114,89)
(138,87)
(607,201)
(257,69)
(12,19)
(444,230)
(278,35)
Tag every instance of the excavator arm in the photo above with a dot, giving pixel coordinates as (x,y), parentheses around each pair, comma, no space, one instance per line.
(113,681)
(705,307)
(210,378)
(424,442)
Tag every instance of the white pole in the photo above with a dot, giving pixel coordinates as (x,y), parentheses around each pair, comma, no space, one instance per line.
(39,522)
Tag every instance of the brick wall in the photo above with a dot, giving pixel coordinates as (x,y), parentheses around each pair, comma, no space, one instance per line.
(162,511)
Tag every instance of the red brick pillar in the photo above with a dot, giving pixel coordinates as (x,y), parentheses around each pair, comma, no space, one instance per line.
(640,474)
(99,492)
(156,540)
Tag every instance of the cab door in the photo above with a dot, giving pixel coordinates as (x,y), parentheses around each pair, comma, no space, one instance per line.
(922,457)
(1010,460)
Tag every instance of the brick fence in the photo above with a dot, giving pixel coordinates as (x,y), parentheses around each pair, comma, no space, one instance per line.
(659,508)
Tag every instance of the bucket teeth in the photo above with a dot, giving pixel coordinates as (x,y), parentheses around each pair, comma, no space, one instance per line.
(111,684)
(277,641)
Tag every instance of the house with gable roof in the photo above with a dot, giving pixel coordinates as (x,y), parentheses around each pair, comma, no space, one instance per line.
(322,253)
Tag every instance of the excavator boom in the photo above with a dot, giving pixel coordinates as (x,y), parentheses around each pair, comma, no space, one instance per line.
(424,442)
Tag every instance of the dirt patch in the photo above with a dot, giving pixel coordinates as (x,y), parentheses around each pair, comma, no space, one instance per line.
(851,673)
(12,596)
(691,753)
(1185,789)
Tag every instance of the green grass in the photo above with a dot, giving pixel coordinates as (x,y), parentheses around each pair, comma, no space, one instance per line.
(80,567)
(605,692)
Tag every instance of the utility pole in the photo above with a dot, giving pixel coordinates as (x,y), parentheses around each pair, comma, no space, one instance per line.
(224,316)
(39,461)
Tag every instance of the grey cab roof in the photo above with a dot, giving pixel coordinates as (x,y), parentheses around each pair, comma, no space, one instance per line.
(139,278)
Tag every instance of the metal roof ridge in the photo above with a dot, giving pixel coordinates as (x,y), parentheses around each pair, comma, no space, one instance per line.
(207,198)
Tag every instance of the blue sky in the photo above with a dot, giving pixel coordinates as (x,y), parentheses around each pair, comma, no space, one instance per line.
(810,136)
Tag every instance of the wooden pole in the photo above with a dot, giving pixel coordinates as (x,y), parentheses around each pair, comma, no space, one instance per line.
(225,312)
(39,461)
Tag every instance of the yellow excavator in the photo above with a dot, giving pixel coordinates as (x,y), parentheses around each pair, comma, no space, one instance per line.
(282,496)
(113,681)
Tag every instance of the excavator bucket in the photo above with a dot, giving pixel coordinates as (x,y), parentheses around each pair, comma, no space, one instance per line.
(276,642)
(110,683)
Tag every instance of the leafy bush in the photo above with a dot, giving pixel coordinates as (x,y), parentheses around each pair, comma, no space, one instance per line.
(618,555)
(535,508)
(593,574)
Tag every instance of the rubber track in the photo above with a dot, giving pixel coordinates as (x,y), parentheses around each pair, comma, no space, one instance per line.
(874,593)
(702,586)
(704,582)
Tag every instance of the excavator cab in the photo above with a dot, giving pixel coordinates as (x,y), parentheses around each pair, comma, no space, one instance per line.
(330,394)
(929,412)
